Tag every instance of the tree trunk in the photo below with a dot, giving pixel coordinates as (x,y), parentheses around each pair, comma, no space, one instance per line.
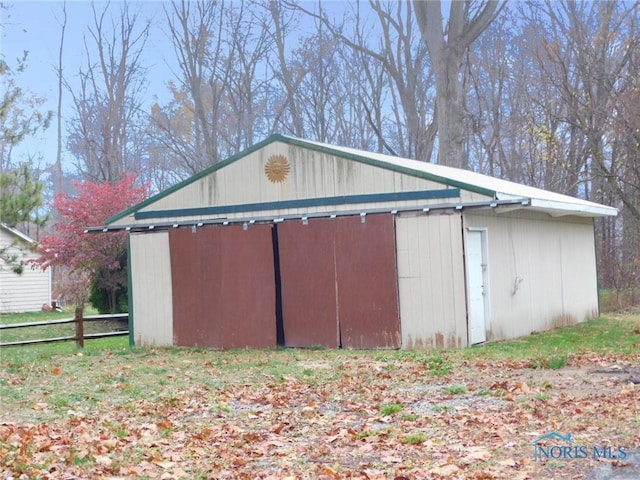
(447,47)
(57,171)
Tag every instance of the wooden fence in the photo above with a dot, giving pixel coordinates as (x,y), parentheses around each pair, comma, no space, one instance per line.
(79,336)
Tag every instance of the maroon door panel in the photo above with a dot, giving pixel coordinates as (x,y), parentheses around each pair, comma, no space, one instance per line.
(367,282)
(223,287)
(308,282)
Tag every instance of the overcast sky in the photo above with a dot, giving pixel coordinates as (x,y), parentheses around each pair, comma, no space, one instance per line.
(35,27)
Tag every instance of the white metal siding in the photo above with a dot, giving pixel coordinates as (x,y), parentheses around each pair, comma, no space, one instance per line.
(431,280)
(542,271)
(313,175)
(27,292)
(151,289)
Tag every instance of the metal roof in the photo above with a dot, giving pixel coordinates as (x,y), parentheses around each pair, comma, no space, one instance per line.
(554,203)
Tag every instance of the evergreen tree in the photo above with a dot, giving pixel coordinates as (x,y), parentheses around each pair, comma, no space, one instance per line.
(20,194)
(20,197)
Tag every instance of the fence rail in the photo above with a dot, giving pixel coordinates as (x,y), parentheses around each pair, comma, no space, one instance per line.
(79,336)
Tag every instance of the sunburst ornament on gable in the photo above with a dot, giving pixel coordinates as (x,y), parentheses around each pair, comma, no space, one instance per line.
(277,168)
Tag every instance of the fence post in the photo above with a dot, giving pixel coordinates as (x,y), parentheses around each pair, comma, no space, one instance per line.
(79,328)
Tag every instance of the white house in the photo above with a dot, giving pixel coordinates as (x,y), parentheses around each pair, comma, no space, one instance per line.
(28,291)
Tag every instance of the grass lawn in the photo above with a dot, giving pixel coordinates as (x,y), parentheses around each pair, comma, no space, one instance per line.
(55,331)
(618,334)
(111,411)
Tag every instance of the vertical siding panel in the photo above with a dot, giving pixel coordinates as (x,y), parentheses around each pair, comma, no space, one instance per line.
(151,289)
(541,271)
(330,178)
(431,287)
(397,183)
(264,187)
(452,280)
(408,284)
(356,181)
(387,182)
(578,256)
(320,174)
(219,194)
(439,272)
(407,301)
(458,278)
(308,176)
(377,179)
(422,314)
(303,162)
(423,286)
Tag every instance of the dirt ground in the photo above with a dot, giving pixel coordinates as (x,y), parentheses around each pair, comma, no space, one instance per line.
(318,415)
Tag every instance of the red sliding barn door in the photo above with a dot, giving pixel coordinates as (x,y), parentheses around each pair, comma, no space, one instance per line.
(367,282)
(339,282)
(223,287)
(307,272)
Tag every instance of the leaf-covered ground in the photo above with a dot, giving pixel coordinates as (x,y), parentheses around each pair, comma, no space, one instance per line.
(170,413)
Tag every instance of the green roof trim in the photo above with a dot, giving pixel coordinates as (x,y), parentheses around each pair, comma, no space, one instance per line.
(310,146)
(131,327)
(302,203)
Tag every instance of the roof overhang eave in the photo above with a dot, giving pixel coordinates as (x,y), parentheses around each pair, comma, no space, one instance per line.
(561,209)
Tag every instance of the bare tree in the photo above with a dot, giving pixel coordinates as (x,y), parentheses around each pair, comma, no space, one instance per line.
(245,98)
(552,103)
(496,104)
(286,109)
(106,135)
(586,58)
(516,118)
(394,71)
(219,95)
(625,168)
(196,29)
(490,89)
(57,170)
(406,62)
(320,83)
(626,130)
(447,45)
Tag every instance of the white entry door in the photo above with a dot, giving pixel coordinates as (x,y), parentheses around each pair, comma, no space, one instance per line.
(476,286)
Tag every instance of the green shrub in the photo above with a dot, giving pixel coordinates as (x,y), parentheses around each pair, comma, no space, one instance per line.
(102,300)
